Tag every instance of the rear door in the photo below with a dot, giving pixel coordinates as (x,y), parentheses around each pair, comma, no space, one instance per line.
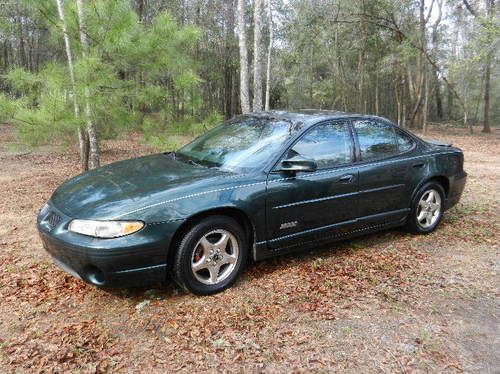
(389,170)
(309,205)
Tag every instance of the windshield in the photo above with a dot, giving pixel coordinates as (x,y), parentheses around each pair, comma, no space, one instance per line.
(241,144)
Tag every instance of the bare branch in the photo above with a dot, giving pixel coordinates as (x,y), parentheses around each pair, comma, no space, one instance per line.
(469,8)
(429,13)
(390,25)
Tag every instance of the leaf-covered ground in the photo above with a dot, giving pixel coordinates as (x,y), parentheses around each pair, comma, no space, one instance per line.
(388,302)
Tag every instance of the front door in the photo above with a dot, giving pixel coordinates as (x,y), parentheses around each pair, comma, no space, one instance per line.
(311,206)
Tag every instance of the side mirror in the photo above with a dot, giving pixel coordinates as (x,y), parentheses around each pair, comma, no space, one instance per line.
(298,163)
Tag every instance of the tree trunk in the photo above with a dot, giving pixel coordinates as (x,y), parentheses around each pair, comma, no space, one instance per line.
(437,95)
(228,96)
(490,6)
(242,42)
(22,50)
(83,139)
(269,50)
(487,74)
(91,129)
(426,104)
(69,56)
(449,104)
(360,104)
(403,102)
(417,112)
(84,146)
(140,10)
(257,56)
(397,87)
(5,55)
(437,92)
(465,121)
(466,115)
(403,113)
(361,61)
(234,94)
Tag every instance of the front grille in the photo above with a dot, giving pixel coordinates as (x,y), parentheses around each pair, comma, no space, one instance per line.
(53,220)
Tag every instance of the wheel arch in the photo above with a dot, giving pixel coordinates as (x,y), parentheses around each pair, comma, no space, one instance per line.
(230,211)
(443,180)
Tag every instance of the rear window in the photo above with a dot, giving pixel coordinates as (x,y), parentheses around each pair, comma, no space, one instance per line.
(376,140)
(405,142)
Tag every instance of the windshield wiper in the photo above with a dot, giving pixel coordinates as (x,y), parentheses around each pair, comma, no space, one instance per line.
(171,154)
(186,159)
(192,162)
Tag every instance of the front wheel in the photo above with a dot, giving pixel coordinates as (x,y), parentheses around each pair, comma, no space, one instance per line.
(210,256)
(427,209)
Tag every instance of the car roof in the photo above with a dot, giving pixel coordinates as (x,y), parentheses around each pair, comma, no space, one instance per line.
(308,117)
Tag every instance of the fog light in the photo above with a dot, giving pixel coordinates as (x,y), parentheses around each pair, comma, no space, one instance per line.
(94,276)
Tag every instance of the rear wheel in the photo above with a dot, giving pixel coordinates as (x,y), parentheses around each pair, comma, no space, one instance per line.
(427,208)
(210,256)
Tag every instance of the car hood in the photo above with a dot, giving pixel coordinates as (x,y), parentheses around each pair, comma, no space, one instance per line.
(125,186)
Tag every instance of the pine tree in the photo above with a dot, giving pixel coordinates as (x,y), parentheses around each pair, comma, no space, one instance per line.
(83,139)
(91,129)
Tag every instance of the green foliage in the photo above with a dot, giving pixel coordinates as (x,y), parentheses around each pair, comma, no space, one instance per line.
(170,136)
(24,83)
(7,108)
(480,36)
(162,66)
(135,73)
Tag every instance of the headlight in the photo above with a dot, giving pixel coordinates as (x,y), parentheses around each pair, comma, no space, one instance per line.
(105,229)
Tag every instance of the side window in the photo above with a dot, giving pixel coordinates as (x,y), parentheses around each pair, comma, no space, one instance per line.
(328,144)
(376,140)
(405,142)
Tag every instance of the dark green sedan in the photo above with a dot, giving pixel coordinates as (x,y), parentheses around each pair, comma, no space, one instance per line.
(257,186)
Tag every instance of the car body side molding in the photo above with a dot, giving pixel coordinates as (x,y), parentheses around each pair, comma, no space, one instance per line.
(338,225)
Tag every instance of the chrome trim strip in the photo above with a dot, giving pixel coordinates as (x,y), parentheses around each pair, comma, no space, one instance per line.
(187,197)
(382,188)
(343,223)
(315,200)
(338,196)
(341,235)
(140,269)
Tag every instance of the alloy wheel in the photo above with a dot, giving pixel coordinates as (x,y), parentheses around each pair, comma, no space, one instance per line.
(214,257)
(429,208)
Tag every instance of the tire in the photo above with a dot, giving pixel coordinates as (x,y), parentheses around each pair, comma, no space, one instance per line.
(427,209)
(205,263)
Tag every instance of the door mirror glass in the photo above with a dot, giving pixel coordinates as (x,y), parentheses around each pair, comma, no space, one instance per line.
(298,163)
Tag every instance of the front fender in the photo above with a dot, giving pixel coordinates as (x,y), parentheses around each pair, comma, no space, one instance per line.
(245,194)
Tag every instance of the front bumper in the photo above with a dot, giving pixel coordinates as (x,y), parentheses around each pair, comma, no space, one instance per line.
(134,260)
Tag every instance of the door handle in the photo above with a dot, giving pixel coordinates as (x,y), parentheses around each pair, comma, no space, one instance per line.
(346,178)
(419,165)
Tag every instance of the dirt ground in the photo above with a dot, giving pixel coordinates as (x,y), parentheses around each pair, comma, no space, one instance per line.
(388,302)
